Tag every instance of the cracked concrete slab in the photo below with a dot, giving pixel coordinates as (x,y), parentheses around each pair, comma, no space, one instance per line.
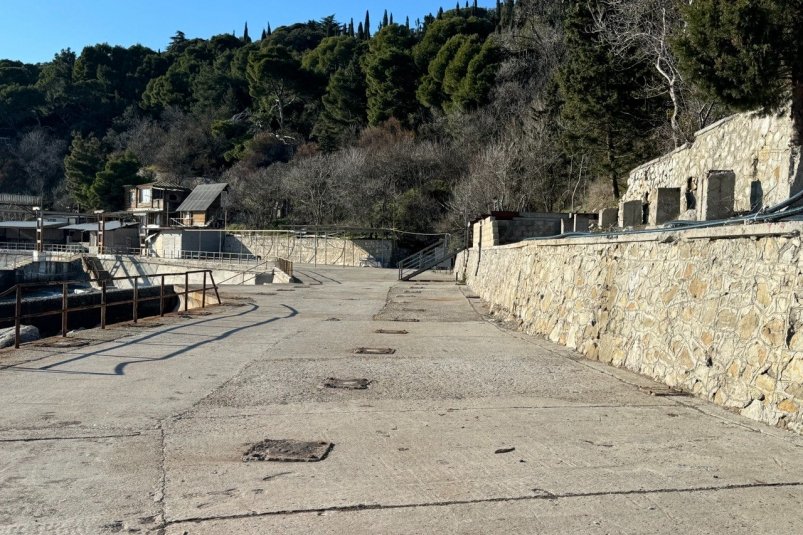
(145,430)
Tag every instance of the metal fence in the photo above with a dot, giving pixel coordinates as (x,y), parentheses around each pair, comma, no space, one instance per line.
(19,291)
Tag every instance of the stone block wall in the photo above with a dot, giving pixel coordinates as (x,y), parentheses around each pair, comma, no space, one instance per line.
(718,313)
(756,148)
(491,231)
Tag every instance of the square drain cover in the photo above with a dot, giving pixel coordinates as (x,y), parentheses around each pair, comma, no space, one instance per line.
(374,351)
(288,451)
(407,320)
(390,331)
(347,384)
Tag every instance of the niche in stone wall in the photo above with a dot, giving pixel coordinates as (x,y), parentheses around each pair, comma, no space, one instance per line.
(691,193)
(719,195)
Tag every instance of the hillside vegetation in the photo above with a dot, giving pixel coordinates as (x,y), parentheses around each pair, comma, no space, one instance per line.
(533,105)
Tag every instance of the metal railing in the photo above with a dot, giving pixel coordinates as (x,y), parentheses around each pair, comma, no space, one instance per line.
(74,248)
(19,290)
(431,257)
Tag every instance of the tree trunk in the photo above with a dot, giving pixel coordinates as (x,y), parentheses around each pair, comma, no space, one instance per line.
(611,167)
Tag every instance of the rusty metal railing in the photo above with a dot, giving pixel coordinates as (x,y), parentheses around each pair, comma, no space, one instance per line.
(19,290)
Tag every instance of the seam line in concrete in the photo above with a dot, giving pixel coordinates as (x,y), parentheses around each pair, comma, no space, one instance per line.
(91,437)
(545,495)
(185,416)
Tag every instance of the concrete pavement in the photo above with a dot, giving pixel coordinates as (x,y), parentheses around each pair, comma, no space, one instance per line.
(144,430)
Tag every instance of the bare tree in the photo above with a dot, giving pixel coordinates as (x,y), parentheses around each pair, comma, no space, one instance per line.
(641,31)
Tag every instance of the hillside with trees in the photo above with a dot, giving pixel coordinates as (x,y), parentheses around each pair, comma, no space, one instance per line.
(417,125)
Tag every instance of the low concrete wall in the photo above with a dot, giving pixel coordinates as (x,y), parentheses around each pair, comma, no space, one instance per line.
(310,249)
(718,313)
(145,268)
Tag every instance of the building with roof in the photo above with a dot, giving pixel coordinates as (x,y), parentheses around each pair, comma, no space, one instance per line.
(155,204)
(204,207)
(117,235)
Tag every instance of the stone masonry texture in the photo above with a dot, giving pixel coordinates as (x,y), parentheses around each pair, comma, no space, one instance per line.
(715,315)
(755,147)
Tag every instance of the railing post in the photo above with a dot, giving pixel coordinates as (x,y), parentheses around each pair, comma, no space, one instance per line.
(17,317)
(136,300)
(203,293)
(186,290)
(103,304)
(162,297)
(214,285)
(64,303)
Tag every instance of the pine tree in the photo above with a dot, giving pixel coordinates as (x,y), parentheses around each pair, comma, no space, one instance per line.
(351,27)
(390,76)
(440,13)
(360,32)
(264,34)
(367,26)
(107,188)
(385,19)
(391,18)
(605,113)
(457,8)
(407,22)
(748,53)
(84,161)
(269,30)
(246,37)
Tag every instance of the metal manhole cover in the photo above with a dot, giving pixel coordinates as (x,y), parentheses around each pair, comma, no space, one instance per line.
(285,290)
(405,320)
(288,451)
(414,310)
(68,342)
(347,384)
(411,292)
(390,331)
(374,351)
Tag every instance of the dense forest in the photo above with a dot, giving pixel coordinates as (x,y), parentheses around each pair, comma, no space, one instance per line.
(420,125)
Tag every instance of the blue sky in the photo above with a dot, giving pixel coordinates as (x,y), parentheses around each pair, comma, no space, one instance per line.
(34,30)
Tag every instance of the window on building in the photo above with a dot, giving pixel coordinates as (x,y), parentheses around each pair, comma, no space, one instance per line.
(145,195)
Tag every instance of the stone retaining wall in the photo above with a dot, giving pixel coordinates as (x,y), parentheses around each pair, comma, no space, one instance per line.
(718,313)
(755,147)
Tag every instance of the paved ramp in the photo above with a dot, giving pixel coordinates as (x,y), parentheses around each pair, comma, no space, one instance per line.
(466,427)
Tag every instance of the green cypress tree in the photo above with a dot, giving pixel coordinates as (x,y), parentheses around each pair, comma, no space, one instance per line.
(107,188)
(85,159)
(366,27)
(390,76)
(605,115)
(748,53)
(246,37)
(343,108)
(384,19)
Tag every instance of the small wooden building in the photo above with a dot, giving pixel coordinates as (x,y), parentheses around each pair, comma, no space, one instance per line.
(155,204)
(204,206)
